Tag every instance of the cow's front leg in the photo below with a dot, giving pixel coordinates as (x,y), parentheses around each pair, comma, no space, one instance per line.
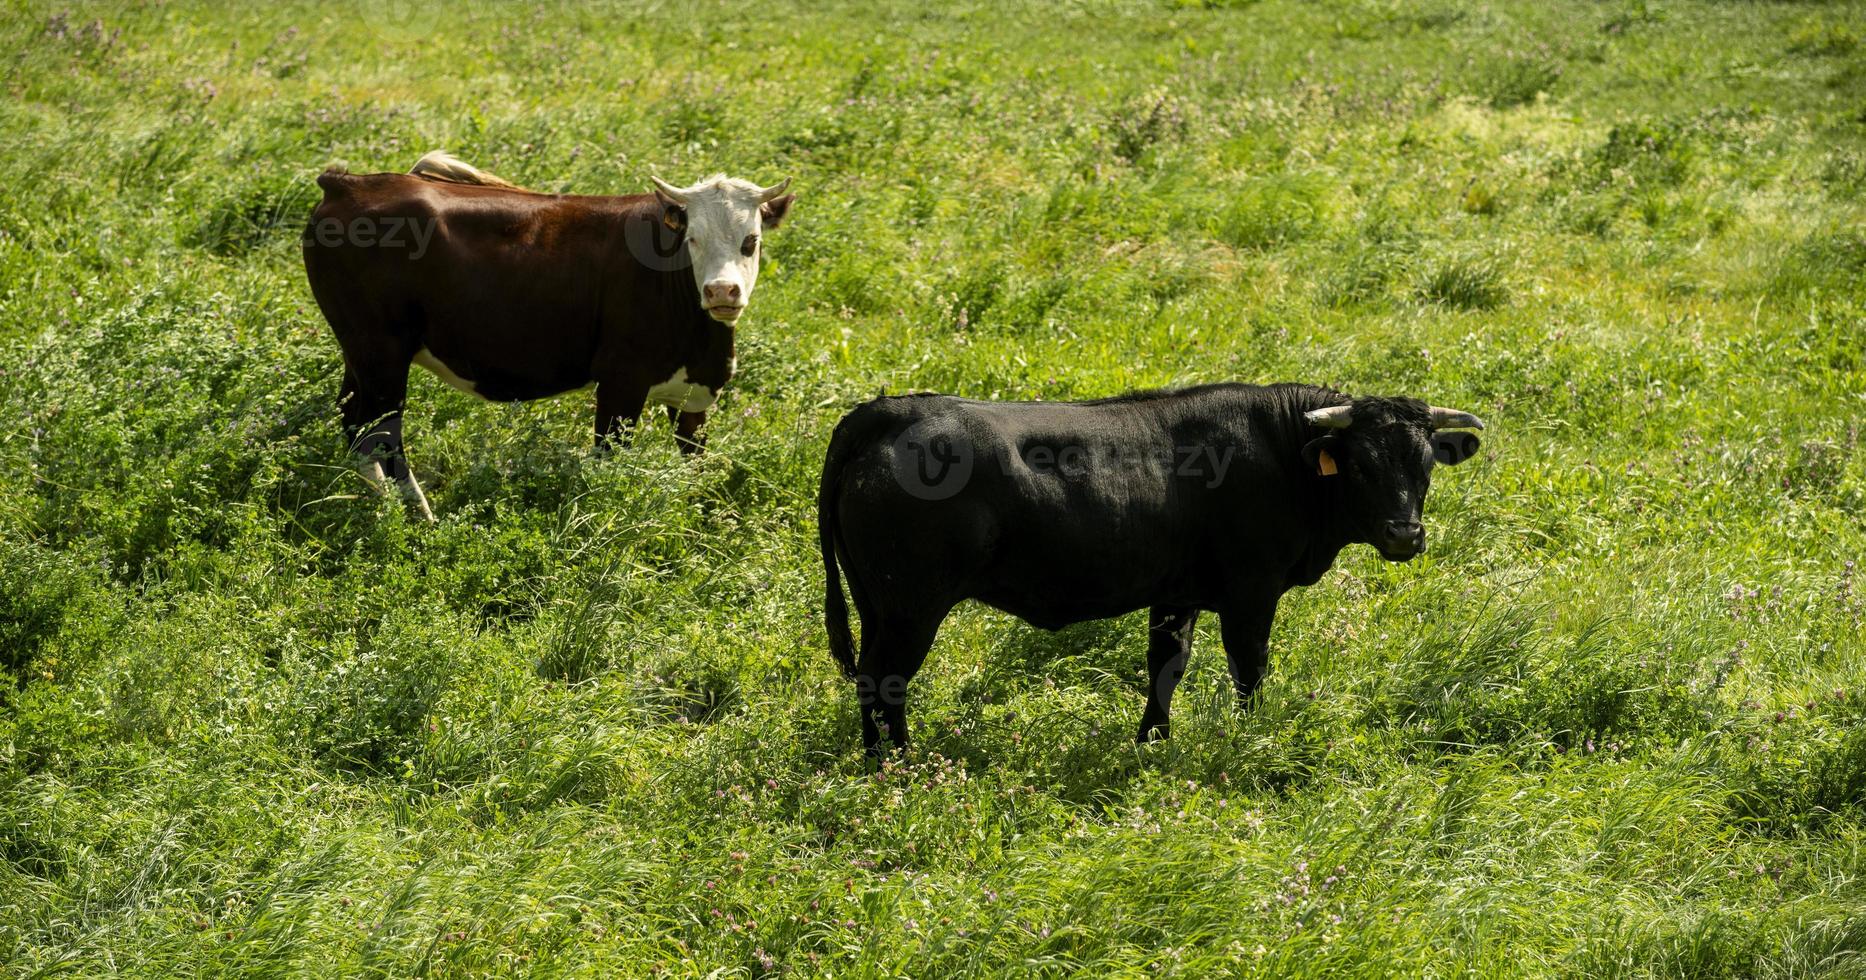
(619,405)
(1169,642)
(1246,626)
(687,431)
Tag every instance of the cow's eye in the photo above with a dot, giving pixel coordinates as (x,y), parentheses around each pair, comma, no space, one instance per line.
(750,245)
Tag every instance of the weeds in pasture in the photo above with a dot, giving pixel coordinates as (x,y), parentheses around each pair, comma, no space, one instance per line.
(1517,78)
(1465,283)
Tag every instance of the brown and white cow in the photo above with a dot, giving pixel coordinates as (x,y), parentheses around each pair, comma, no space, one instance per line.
(511,294)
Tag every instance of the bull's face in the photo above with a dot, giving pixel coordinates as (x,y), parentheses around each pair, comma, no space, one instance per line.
(1383,451)
(724,221)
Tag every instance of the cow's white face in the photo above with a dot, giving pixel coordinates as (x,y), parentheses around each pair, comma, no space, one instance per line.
(724,220)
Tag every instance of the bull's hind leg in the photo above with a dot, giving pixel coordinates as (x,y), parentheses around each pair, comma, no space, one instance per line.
(892,651)
(1169,642)
(372,417)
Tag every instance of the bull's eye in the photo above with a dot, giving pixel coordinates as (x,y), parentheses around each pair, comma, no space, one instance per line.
(750,245)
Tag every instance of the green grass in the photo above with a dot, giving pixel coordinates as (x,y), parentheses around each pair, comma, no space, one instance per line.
(253,720)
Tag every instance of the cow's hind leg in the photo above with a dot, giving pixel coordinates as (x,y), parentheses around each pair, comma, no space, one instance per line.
(687,432)
(619,404)
(1169,642)
(355,423)
(892,651)
(372,417)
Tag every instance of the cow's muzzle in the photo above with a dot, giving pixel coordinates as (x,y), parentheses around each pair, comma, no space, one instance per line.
(724,301)
(1401,540)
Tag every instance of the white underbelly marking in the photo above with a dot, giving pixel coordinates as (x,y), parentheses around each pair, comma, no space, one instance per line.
(680,393)
(426,359)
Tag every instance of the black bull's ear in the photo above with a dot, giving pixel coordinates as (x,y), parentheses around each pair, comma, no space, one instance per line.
(1452,448)
(1313,450)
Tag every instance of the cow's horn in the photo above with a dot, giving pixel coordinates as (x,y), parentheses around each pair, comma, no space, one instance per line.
(669,191)
(1451,418)
(773,191)
(1332,417)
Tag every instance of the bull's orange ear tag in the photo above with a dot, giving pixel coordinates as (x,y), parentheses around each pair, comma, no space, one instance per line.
(1325,464)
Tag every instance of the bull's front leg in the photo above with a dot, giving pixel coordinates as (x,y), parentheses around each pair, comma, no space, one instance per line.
(1245,622)
(1169,642)
(687,431)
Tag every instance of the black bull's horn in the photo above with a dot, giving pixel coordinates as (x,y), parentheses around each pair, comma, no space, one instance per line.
(1451,418)
(1341,416)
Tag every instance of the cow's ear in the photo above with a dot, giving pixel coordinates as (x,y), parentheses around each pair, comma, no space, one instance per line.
(774,210)
(672,214)
(674,217)
(1322,455)
(1452,448)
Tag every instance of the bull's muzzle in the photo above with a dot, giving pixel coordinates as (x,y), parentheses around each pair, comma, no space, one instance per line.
(1401,540)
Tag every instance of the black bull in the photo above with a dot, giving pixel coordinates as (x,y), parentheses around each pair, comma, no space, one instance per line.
(1218,498)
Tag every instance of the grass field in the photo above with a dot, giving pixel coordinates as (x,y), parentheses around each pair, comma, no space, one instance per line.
(256,721)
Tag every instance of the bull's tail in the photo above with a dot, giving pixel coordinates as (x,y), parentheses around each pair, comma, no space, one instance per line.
(849,436)
(441,165)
